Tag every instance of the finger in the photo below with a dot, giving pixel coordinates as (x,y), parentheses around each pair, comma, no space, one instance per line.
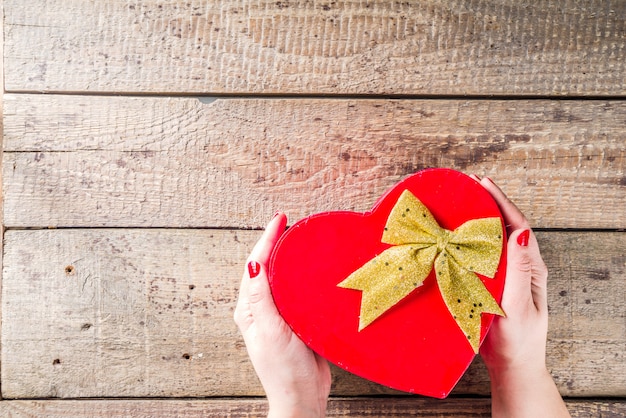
(260,297)
(513,218)
(264,246)
(539,286)
(517,289)
(261,253)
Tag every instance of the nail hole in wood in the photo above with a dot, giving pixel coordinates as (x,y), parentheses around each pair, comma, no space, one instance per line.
(186,356)
(69,270)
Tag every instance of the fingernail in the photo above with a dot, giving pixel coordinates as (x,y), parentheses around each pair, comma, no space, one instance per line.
(275,215)
(491,181)
(522,239)
(254,269)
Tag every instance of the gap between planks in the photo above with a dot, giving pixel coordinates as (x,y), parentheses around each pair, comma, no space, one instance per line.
(245,407)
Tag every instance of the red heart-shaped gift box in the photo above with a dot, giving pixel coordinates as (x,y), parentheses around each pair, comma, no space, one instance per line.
(416,346)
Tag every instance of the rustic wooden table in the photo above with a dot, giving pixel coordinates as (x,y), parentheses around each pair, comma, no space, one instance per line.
(146,142)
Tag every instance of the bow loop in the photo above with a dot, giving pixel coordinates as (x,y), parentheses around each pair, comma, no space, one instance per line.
(410,222)
(477,245)
(418,245)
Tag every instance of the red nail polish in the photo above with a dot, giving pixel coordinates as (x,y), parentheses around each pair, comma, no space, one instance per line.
(522,239)
(254,269)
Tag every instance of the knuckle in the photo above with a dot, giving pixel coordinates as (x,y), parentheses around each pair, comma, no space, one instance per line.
(242,320)
(524,263)
(542,271)
(255,293)
(237,316)
(240,315)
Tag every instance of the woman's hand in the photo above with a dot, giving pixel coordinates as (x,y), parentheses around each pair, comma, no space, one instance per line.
(514,350)
(296,380)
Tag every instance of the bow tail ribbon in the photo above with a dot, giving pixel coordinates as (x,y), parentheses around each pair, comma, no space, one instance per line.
(419,244)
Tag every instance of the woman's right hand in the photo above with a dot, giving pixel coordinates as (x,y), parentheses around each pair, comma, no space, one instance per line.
(514,350)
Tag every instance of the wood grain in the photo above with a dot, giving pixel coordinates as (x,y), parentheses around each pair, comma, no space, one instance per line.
(82,161)
(300,47)
(148,313)
(1,148)
(353,408)
(132,313)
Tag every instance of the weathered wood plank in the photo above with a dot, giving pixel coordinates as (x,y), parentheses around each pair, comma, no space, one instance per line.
(176,162)
(348,47)
(134,313)
(1,150)
(337,407)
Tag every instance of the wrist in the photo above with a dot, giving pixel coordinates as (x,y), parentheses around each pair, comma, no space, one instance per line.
(511,374)
(284,411)
(518,364)
(525,393)
(517,374)
(286,407)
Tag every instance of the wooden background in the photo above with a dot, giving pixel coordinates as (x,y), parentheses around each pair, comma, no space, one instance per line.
(146,142)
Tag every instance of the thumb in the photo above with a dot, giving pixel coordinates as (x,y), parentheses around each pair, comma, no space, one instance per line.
(260,297)
(517,289)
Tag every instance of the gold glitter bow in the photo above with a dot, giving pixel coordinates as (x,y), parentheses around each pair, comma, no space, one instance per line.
(418,244)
